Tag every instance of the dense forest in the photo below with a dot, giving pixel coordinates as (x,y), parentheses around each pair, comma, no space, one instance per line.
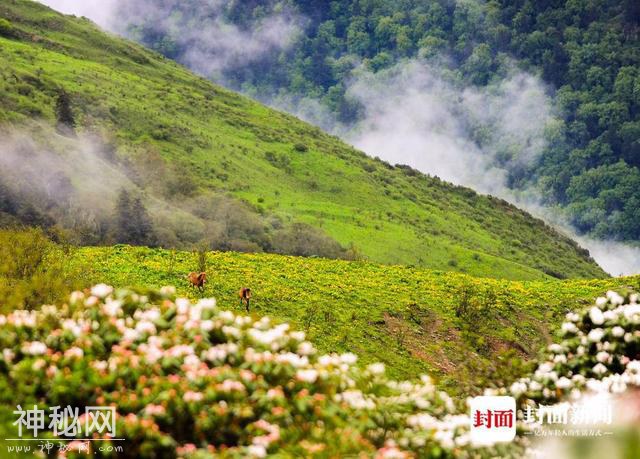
(586,51)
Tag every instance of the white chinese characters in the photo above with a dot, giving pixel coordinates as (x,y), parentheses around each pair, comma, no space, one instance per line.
(67,422)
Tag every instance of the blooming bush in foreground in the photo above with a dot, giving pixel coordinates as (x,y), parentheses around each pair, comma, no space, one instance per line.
(191,380)
(599,352)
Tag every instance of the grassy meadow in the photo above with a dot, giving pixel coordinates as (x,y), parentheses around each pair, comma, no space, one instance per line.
(453,326)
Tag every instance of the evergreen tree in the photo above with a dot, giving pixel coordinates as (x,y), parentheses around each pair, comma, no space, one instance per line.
(133,223)
(123,217)
(143,227)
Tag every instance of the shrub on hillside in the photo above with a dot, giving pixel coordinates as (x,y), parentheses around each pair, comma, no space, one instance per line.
(304,240)
(33,270)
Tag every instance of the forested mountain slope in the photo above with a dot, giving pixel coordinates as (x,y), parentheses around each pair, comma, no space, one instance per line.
(586,51)
(114,143)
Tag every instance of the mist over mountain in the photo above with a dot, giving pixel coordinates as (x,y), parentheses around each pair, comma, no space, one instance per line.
(530,102)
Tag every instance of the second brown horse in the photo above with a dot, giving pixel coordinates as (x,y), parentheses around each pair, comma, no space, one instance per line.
(245,297)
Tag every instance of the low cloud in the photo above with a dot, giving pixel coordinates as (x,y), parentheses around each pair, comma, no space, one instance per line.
(466,135)
(71,176)
(616,258)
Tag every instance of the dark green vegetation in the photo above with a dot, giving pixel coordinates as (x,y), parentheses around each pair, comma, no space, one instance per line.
(454,326)
(588,51)
(35,271)
(210,167)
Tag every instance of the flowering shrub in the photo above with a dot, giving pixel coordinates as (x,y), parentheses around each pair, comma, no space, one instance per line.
(191,380)
(599,352)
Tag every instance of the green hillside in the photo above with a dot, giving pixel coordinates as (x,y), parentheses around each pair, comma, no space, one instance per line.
(181,142)
(414,320)
(586,51)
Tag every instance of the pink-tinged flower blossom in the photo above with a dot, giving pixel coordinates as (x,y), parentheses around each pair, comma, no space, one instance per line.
(101,290)
(34,348)
(191,396)
(307,376)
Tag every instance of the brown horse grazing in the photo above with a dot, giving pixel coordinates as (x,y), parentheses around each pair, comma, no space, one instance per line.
(197,280)
(245,297)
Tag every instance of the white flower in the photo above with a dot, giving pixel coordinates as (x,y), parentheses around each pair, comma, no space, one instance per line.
(560,358)
(191,396)
(569,327)
(601,301)
(298,335)
(376,368)
(555,348)
(76,297)
(72,326)
(231,331)
(305,348)
(100,365)
(618,386)
(34,348)
(112,308)
(168,290)
(518,388)
(617,331)
(545,367)
(596,316)
(130,334)
(309,376)
(182,305)
(634,365)
(603,357)
(563,383)
(349,358)
(599,369)
(632,313)
(145,326)
(615,298)
(328,360)
(207,303)
(91,301)
(74,352)
(101,290)
(257,451)
(8,355)
(535,386)
(292,359)
(356,399)
(596,335)
(572,317)
(227,316)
